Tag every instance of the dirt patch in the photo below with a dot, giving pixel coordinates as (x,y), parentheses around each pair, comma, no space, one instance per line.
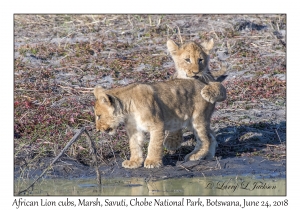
(59,59)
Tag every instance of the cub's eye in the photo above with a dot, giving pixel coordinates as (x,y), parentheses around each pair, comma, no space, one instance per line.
(188,60)
(200,60)
(98,117)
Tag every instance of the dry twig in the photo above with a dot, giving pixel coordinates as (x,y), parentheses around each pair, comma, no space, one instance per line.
(92,149)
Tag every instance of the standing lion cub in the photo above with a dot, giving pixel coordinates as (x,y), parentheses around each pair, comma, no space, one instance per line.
(154,108)
(192,62)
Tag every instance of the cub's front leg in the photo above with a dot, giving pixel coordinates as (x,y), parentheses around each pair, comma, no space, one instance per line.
(205,145)
(155,149)
(214,92)
(136,139)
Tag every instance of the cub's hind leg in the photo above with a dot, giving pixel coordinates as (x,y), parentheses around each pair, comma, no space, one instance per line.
(173,140)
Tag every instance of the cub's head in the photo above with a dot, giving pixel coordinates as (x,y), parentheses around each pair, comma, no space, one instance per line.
(190,58)
(107,111)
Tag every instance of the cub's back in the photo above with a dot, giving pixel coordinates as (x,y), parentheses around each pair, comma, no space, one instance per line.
(177,94)
(184,89)
(181,97)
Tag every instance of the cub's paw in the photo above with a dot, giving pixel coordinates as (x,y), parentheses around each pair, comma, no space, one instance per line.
(214,92)
(132,163)
(152,163)
(192,157)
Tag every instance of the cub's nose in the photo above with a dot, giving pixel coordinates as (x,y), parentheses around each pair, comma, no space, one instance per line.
(192,74)
(196,72)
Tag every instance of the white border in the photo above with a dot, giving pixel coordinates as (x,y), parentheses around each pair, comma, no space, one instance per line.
(154,6)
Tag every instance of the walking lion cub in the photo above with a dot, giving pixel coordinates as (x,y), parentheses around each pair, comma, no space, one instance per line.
(156,108)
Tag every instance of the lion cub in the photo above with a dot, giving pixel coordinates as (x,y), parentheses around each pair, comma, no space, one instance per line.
(156,108)
(192,61)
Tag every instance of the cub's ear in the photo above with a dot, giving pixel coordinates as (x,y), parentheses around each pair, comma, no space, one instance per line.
(100,95)
(98,92)
(115,102)
(172,46)
(207,45)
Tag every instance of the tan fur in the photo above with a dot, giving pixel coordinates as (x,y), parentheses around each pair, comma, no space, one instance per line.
(196,66)
(156,108)
(192,60)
